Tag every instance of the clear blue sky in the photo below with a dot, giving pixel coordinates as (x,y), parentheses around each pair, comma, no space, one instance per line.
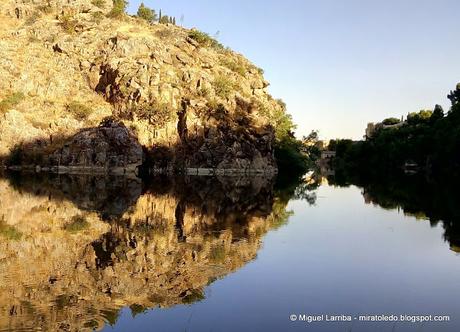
(339,64)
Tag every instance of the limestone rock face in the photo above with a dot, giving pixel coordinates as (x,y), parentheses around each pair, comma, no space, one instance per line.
(189,103)
(110,145)
(25,8)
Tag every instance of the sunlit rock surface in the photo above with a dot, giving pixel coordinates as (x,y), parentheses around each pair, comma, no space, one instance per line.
(190,104)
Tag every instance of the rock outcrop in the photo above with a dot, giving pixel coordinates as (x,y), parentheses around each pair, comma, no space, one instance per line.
(109,146)
(190,102)
(23,9)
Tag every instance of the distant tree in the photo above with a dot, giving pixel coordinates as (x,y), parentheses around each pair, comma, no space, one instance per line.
(310,146)
(343,146)
(420,117)
(174,20)
(332,144)
(288,150)
(454,96)
(438,113)
(164,19)
(311,139)
(119,8)
(391,121)
(146,13)
(160,16)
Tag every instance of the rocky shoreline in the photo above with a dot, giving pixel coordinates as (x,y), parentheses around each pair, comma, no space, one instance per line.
(82,170)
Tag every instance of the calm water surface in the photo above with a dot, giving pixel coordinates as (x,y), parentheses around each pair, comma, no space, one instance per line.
(215,255)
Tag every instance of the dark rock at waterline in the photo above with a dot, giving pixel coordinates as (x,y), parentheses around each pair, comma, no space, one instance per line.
(111,145)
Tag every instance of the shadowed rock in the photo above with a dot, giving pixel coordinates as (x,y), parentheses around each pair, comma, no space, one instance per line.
(110,146)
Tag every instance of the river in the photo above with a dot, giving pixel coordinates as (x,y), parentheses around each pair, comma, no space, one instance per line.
(204,254)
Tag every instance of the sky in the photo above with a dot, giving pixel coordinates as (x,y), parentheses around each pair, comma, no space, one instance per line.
(338,64)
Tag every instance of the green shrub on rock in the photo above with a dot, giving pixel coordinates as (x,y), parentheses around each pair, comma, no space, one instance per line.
(9,232)
(98,3)
(158,113)
(223,86)
(97,17)
(78,224)
(78,110)
(204,39)
(68,23)
(11,101)
(234,65)
(33,17)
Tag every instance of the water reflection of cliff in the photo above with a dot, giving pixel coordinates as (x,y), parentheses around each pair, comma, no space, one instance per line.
(436,200)
(75,250)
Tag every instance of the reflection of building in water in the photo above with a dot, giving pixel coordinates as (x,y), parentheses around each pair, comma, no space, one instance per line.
(325,163)
(70,259)
(326,170)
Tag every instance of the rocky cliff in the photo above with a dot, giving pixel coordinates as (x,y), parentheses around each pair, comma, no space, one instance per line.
(188,101)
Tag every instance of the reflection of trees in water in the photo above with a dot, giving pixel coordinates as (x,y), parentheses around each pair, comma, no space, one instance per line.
(435,200)
(90,246)
(304,188)
(307,191)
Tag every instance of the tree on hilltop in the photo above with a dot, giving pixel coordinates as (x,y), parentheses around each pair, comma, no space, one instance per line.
(164,19)
(146,13)
(119,8)
(454,96)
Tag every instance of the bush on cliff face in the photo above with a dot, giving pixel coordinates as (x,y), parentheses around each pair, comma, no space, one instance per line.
(204,39)
(78,110)
(11,101)
(68,23)
(223,86)
(9,232)
(33,18)
(77,224)
(98,3)
(234,65)
(46,9)
(97,17)
(156,112)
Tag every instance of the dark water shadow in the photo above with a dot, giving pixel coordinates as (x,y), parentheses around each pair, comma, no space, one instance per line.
(433,199)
